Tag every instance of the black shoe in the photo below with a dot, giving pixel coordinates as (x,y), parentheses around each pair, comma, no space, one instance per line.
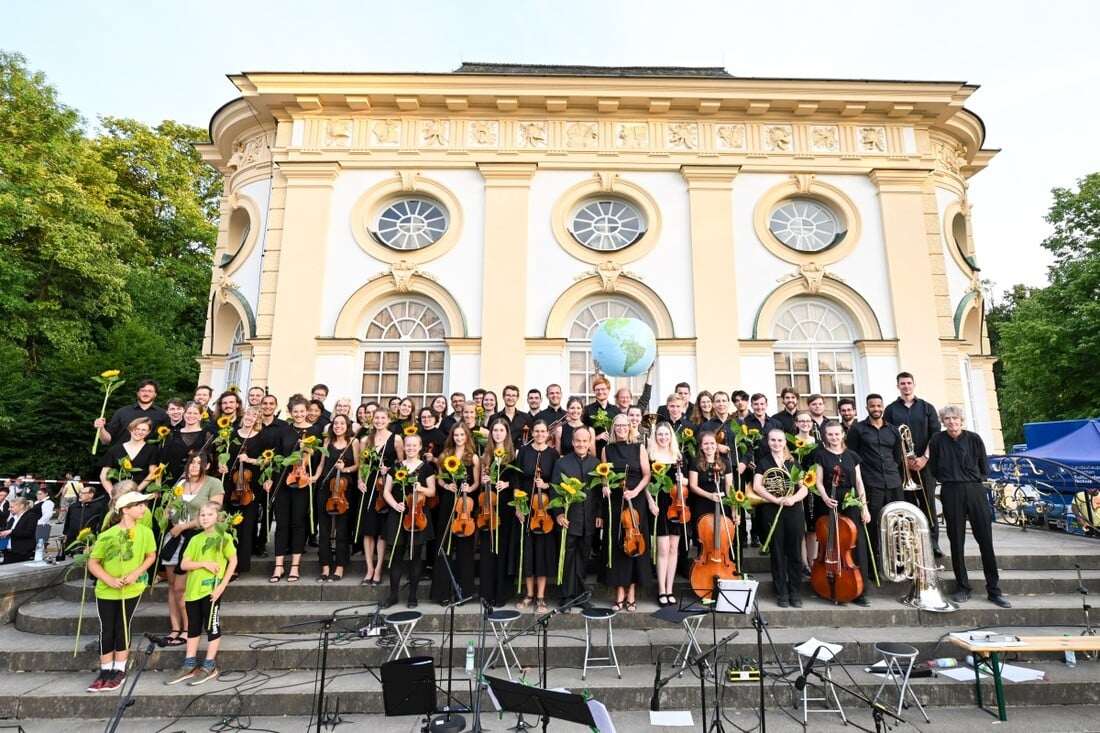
(961,596)
(391,601)
(937,551)
(796,602)
(782,603)
(998,600)
(412,603)
(862,601)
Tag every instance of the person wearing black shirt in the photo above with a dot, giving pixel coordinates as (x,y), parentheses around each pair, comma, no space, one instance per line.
(847,409)
(920,416)
(554,412)
(599,414)
(519,423)
(879,447)
(88,511)
(579,526)
(683,391)
(959,462)
(785,417)
(115,430)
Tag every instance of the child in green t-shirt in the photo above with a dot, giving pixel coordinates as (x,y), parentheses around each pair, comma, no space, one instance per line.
(210,560)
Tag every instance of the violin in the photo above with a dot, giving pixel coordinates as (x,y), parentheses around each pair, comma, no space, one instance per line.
(630,523)
(714,563)
(487,502)
(380,505)
(414,519)
(433,501)
(463,524)
(539,521)
(337,486)
(678,512)
(299,476)
(834,575)
(242,494)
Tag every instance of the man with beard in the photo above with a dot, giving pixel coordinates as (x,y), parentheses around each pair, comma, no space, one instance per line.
(878,444)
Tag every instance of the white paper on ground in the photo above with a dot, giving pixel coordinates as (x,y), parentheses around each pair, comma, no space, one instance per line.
(961,674)
(1009,672)
(601,717)
(671,718)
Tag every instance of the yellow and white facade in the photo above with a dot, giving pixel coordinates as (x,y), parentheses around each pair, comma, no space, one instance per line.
(392,234)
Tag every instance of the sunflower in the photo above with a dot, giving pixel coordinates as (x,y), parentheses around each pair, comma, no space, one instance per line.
(309,441)
(127,465)
(205,415)
(83,533)
(156,472)
(110,373)
(604,469)
(480,410)
(268,455)
(569,489)
(233,389)
(575,483)
(754,431)
(809,479)
(659,468)
(225,421)
(799,443)
(451,464)
(164,431)
(400,474)
(689,433)
(739,496)
(498,453)
(178,491)
(237,519)
(519,494)
(744,429)
(410,430)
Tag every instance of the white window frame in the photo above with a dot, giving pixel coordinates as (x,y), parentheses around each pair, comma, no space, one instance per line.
(578,348)
(404,332)
(840,338)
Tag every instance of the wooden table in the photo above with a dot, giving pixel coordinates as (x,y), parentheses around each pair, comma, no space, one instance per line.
(988,651)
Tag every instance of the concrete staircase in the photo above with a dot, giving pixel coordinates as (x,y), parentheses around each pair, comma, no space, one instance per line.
(270,655)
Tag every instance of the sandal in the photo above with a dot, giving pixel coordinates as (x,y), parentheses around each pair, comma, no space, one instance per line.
(662,600)
(322,578)
(175,638)
(617,606)
(292,576)
(276,574)
(540,605)
(631,606)
(334,578)
(524,602)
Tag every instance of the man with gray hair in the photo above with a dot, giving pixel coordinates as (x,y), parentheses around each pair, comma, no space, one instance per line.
(959,462)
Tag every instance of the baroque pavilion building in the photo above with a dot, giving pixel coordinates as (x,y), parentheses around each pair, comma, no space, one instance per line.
(417,234)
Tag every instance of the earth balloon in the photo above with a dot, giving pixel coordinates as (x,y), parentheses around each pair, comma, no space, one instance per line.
(624,347)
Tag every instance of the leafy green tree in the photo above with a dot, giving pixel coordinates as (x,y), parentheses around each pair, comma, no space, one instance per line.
(1049,337)
(105,248)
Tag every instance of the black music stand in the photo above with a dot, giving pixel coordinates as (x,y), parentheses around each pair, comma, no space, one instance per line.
(515,697)
(408,687)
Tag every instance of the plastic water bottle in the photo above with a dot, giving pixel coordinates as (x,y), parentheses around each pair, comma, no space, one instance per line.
(470,658)
(40,552)
(1071,656)
(943,662)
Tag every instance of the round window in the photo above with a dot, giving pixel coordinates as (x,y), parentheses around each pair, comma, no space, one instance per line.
(607,225)
(806,225)
(411,223)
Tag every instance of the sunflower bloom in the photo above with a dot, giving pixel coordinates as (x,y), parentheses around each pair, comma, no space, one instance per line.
(569,489)
(689,433)
(809,479)
(451,464)
(84,533)
(739,496)
(604,469)
(225,421)
(754,431)
(480,410)
(237,519)
(400,474)
(131,534)
(157,471)
(163,431)
(127,465)
(309,440)
(744,429)
(410,430)
(110,373)
(799,443)
(268,455)
(178,491)
(498,453)
(659,468)
(519,494)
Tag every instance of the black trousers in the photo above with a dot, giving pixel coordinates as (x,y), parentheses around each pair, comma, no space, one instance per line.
(877,498)
(963,501)
(785,549)
(577,550)
(925,500)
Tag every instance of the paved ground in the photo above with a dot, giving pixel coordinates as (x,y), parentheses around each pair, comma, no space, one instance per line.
(1046,719)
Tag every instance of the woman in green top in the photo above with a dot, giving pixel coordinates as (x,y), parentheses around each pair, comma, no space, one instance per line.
(120,558)
(193,490)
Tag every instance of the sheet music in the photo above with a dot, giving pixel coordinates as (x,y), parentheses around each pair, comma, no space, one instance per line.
(601,716)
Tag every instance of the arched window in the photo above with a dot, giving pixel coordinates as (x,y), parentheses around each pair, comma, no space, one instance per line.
(406,354)
(235,359)
(579,341)
(814,351)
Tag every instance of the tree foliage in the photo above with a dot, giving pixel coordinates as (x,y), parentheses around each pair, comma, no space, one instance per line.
(1048,338)
(105,248)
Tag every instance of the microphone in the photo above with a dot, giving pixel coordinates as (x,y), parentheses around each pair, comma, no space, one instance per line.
(800,683)
(655,701)
(155,639)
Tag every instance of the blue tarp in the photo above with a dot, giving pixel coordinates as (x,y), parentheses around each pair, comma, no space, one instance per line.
(1080,449)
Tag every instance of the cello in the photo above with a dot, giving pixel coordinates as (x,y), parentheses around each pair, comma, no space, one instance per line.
(834,575)
(716,532)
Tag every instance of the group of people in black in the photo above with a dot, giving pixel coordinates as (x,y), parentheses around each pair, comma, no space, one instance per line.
(477,491)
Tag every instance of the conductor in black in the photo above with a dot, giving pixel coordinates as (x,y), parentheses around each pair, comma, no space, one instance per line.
(959,462)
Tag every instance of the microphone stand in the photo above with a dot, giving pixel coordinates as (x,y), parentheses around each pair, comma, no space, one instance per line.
(486,609)
(878,710)
(450,723)
(128,699)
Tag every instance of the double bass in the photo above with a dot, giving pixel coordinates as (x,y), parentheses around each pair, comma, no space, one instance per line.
(834,575)
(716,532)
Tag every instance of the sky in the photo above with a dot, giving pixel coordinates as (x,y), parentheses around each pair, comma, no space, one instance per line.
(1035,64)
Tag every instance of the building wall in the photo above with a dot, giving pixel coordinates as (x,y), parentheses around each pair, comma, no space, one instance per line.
(510,158)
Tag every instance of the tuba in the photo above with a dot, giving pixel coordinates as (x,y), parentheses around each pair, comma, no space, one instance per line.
(907,555)
(910,452)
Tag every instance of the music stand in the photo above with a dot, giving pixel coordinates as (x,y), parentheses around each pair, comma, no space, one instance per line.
(515,697)
(408,687)
(727,596)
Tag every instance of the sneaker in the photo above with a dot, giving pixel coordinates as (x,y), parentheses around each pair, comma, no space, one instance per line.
(114,680)
(97,683)
(203,674)
(185,673)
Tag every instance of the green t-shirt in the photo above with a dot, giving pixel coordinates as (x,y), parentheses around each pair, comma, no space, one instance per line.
(112,541)
(201,582)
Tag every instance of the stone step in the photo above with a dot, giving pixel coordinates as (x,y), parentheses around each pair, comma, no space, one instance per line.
(239,692)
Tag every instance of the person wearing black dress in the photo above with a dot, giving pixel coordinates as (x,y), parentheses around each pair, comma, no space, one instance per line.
(495,534)
(459,551)
(134,453)
(369,522)
(536,462)
(338,467)
(789,521)
(407,544)
(628,456)
(563,433)
(241,481)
